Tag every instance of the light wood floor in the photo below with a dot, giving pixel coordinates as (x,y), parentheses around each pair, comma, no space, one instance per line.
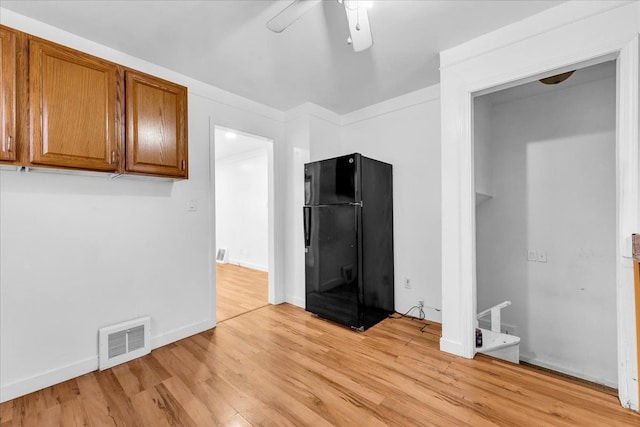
(239,290)
(280,366)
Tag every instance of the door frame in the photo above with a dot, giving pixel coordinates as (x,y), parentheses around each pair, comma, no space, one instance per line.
(272,291)
(466,74)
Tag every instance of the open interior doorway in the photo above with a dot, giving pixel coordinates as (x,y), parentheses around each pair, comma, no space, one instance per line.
(242,222)
(545,180)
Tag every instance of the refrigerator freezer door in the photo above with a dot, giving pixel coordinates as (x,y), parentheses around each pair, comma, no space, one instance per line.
(332,181)
(331,262)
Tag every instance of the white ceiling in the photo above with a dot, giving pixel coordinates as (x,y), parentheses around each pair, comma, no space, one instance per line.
(580,76)
(230,142)
(226,43)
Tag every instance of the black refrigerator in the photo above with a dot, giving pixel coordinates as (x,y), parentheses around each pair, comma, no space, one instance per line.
(348,232)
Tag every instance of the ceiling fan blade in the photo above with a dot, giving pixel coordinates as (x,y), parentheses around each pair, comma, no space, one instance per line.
(359,28)
(290,14)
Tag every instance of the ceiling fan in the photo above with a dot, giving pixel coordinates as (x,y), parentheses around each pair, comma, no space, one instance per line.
(357,17)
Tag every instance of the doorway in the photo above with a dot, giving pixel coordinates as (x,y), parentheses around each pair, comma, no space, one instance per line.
(545,181)
(481,74)
(242,179)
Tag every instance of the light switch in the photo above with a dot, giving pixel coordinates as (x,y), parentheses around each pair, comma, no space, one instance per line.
(531,256)
(542,255)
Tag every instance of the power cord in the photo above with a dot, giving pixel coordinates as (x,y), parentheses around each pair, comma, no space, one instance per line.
(421,315)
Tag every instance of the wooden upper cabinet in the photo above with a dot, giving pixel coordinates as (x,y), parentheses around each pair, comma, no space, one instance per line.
(8,95)
(74,104)
(156,126)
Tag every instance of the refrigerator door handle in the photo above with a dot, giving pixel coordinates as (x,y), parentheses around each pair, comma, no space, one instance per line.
(307,226)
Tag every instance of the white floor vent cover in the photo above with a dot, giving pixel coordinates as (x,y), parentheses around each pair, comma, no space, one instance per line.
(124,341)
(221,256)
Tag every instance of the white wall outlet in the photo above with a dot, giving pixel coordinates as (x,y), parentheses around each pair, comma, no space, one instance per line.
(192,206)
(407,283)
(542,255)
(531,255)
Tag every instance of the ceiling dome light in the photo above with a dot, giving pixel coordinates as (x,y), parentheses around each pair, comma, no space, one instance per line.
(230,135)
(558,78)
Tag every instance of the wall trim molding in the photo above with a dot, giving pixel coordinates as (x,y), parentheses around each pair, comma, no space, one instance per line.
(248,264)
(47,378)
(297,301)
(564,370)
(183,332)
(314,110)
(540,23)
(84,366)
(408,100)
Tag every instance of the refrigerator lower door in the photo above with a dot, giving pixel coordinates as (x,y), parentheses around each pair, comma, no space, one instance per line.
(331,262)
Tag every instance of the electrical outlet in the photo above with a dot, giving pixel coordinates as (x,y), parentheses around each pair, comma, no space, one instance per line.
(531,255)
(407,283)
(542,256)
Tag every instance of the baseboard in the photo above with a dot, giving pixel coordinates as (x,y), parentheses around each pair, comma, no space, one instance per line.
(297,301)
(181,333)
(247,264)
(48,378)
(73,370)
(554,367)
(453,347)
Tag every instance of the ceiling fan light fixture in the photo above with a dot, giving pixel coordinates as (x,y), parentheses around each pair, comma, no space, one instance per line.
(357,18)
(359,28)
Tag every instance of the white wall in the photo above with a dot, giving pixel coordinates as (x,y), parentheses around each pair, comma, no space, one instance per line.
(78,253)
(553,164)
(242,208)
(406,133)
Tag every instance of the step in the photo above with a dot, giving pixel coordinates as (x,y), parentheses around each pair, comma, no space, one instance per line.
(499,345)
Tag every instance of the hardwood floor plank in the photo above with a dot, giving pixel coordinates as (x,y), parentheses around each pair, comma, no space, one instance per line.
(6,411)
(174,412)
(127,380)
(118,404)
(189,402)
(73,413)
(148,404)
(148,372)
(239,290)
(281,366)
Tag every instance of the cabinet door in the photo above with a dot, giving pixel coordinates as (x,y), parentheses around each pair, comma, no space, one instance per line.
(73,108)
(8,95)
(156,126)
